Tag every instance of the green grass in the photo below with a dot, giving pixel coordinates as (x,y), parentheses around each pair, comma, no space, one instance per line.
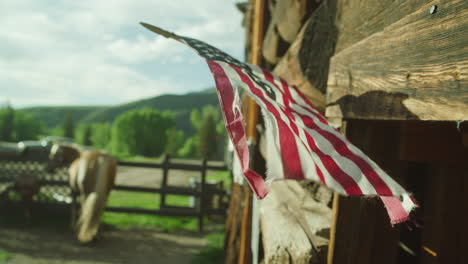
(151,201)
(4,256)
(147,201)
(213,252)
(143,159)
(222,176)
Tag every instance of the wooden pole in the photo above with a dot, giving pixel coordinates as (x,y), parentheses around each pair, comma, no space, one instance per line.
(165,168)
(245,248)
(202,196)
(255,59)
(245,251)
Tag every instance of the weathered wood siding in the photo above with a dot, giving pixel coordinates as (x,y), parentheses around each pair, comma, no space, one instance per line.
(415,68)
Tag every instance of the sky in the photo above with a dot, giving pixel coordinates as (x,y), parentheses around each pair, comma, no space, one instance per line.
(94,52)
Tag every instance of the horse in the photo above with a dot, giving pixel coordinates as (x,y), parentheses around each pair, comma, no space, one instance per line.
(91,177)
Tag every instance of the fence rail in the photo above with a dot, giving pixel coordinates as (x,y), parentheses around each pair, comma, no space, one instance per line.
(204,193)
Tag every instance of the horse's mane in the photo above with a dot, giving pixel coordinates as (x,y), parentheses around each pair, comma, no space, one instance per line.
(74,146)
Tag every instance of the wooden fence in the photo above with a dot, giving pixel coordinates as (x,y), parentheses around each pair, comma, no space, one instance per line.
(57,183)
(204,192)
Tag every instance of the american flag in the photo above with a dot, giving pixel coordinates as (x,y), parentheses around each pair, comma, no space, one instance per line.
(301,144)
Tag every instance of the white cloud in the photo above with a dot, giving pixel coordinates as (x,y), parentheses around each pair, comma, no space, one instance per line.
(95,52)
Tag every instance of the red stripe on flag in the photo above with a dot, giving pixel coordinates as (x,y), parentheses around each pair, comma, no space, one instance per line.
(346,181)
(341,147)
(292,167)
(235,128)
(286,97)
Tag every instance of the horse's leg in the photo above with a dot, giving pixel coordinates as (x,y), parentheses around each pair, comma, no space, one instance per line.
(74,212)
(74,170)
(95,201)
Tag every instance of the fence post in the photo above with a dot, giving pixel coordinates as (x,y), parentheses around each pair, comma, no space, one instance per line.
(202,196)
(165,167)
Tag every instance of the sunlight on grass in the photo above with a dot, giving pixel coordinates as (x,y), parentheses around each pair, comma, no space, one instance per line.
(152,201)
(147,201)
(213,252)
(4,256)
(221,176)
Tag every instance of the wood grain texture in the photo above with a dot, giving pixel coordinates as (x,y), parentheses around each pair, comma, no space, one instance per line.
(289,68)
(290,220)
(271,44)
(415,68)
(289,16)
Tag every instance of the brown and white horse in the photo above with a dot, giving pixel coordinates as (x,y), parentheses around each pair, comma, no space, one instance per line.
(92,176)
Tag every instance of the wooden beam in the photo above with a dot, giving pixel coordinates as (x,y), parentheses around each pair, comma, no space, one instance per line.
(255,59)
(291,219)
(289,16)
(416,68)
(290,69)
(245,252)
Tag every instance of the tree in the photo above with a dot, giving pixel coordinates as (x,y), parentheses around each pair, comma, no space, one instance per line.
(175,140)
(25,127)
(83,134)
(18,126)
(7,116)
(141,132)
(209,134)
(68,126)
(101,135)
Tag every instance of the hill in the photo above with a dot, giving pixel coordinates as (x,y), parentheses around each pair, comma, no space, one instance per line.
(180,105)
(53,115)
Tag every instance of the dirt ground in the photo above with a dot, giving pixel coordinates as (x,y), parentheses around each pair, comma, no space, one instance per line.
(47,245)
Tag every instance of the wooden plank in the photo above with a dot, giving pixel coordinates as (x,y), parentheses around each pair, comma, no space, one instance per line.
(165,211)
(203,196)
(271,44)
(245,252)
(301,219)
(290,69)
(416,68)
(255,59)
(289,16)
(174,166)
(233,224)
(165,167)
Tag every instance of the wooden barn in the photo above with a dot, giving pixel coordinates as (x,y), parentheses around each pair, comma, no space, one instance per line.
(393,76)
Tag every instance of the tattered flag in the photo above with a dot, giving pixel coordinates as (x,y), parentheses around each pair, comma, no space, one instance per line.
(301,144)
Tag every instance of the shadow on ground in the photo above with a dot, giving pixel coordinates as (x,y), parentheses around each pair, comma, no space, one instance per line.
(54,242)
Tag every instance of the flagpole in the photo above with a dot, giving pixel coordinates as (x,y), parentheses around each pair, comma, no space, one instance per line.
(249,239)
(255,59)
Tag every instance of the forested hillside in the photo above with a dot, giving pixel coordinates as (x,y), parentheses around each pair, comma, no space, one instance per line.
(180,105)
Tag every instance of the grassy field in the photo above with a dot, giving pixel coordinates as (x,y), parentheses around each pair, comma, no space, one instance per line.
(147,201)
(151,201)
(4,256)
